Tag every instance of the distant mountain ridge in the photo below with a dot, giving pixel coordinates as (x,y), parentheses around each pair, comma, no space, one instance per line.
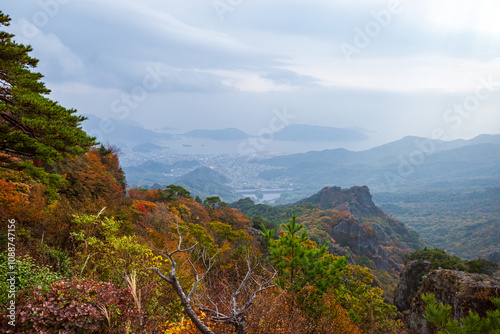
(411,162)
(293,132)
(404,145)
(120,132)
(123,132)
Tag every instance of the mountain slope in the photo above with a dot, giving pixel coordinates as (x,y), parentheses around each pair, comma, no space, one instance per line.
(463,222)
(350,223)
(205,182)
(152,172)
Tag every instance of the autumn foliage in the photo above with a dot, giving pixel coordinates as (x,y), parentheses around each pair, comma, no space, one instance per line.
(94,235)
(88,250)
(79,305)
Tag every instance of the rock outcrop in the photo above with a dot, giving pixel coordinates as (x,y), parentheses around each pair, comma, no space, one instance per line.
(371,241)
(352,225)
(409,283)
(463,291)
(368,232)
(356,200)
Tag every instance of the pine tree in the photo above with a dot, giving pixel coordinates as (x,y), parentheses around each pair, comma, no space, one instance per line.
(439,316)
(301,263)
(34,130)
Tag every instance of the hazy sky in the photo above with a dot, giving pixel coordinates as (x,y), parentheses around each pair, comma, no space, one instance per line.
(394,67)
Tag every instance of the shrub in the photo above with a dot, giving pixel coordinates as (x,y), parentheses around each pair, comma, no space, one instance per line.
(28,275)
(79,306)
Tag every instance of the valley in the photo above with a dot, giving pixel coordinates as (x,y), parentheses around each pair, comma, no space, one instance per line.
(253,168)
(450,196)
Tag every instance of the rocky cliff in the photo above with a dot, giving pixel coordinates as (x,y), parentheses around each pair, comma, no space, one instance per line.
(356,200)
(369,236)
(463,291)
(349,221)
(368,232)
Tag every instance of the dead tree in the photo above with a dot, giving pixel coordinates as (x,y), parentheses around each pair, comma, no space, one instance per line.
(197,254)
(252,284)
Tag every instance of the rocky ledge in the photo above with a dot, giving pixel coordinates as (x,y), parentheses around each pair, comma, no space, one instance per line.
(463,291)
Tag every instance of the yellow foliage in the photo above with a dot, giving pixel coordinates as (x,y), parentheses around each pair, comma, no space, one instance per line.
(101,242)
(185,326)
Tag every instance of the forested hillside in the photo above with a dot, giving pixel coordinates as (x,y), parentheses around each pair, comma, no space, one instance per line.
(85,254)
(349,223)
(465,222)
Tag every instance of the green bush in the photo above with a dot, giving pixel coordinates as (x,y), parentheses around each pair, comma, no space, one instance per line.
(28,275)
(440,259)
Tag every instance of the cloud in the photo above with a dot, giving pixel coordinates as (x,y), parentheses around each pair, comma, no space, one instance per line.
(195,81)
(397,74)
(266,54)
(156,35)
(250,81)
(480,17)
(289,78)
(56,59)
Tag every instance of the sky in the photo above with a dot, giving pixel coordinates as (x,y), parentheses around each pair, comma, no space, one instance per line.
(395,68)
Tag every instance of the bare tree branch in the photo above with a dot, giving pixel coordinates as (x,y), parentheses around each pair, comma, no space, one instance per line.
(251,285)
(172,280)
(236,315)
(161,274)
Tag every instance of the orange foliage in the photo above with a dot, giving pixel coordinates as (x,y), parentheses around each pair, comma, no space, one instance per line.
(230,216)
(11,200)
(144,206)
(185,325)
(276,311)
(145,195)
(198,213)
(336,318)
(93,176)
